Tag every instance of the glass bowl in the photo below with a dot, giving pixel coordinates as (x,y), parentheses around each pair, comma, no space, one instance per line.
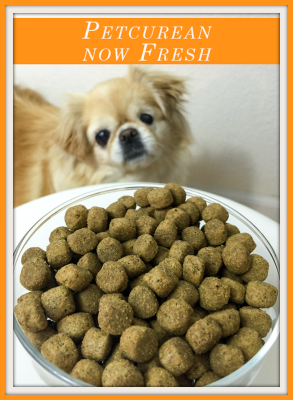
(38,236)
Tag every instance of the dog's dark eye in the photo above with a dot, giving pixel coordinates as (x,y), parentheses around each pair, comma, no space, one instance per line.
(102,137)
(146,118)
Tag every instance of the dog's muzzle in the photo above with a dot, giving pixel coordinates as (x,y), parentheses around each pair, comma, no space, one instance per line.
(131,144)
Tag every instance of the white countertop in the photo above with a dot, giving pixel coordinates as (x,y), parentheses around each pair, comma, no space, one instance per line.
(26,215)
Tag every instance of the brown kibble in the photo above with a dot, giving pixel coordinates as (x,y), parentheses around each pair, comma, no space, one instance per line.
(203,335)
(75,325)
(248,341)
(162,333)
(140,322)
(146,225)
(33,252)
(133,266)
(161,280)
(149,211)
(88,299)
(200,365)
(134,215)
(128,202)
(58,303)
(179,217)
(236,258)
(207,378)
(30,314)
(195,237)
(178,193)
(185,291)
(88,371)
(237,291)
(76,217)
(228,320)
(215,232)
(254,318)
(140,196)
(139,344)
(116,210)
(109,249)
(243,238)
(226,359)
(139,281)
(61,351)
(176,356)
(60,233)
(213,294)
(97,219)
(102,235)
(35,274)
(174,315)
(160,215)
(230,275)
(173,265)
(115,315)
(212,259)
(96,344)
(166,233)
(215,211)
(73,277)
(145,247)
(82,241)
(91,263)
(231,229)
(180,249)
(261,294)
(122,373)
(152,363)
(38,338)
(258,271)
(112,278)
(58,254)
(161,255)
(122,229)
(159,377)
(160,198)
(128,247)
(115,355)
(143,302)
(192,211)
(193,270)
(199,202)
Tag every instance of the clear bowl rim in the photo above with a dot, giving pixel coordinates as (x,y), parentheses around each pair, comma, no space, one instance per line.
(67,378)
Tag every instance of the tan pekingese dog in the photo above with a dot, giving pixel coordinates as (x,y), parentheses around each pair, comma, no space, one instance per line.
(125,129)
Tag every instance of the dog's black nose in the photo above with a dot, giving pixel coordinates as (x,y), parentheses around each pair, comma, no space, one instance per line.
(127,135)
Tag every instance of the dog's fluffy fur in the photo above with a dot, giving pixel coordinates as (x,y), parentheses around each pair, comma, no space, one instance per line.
(56,149)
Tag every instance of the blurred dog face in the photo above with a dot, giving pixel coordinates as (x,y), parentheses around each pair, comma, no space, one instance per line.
(126,122)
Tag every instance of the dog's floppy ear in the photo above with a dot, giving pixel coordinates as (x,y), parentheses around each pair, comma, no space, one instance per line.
(169,89)
(72,132)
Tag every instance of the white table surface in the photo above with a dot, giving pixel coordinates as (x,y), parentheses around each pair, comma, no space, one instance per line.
(26,215)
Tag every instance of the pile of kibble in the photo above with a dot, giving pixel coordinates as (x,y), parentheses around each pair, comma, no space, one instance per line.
(129,296)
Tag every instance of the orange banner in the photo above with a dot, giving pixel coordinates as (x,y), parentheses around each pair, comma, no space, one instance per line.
(146,41)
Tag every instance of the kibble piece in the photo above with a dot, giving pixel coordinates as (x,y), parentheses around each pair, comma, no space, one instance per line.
(82,241)
(76,217)
(161,280)
(122,373)
(35,274)
(115,355)
(128,202)
(237,291)
(193,270)
(122,229)
(30,314)
(176,356)
(212,258)
(140,196)
(229,306)
(145,247)
(31,295)
(195,237)
(88,299)
(138,343)
(148,211)
(75,325)
(109,249)
(152,363)
(160,215)
(215,232)
(160,198)
(96,344)
(230,275)
(58,254)
(213,294)
(183,381)
(58,303)
(174,315)
(261,294)
(91,263)
(60,233)
(207,378)
(226,359)
(88,371)
(159,377)
(115,315)
(200,311)
(243,238)
(166,233)
(231,229)
(143,302)
(203,335)
(128,247)
(33,252)
(102,235)
(162,333)
(200,365)
(161,255)
(236,258)
(258,271)
(133,266)
(116,210)
(61,351)
(173,265)
(180,249)
(97,219)
(178,193)
(185,291)
(73,277)
(192,211)
(138,282)
(146,225)
(228,320)
(248,341)
(38,338)
(140,322)
(215,211)
(112,278)
(199,202)
(254,318)
(179,217)
(134,215)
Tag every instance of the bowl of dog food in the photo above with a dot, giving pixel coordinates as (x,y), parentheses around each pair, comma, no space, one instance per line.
(155,286)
